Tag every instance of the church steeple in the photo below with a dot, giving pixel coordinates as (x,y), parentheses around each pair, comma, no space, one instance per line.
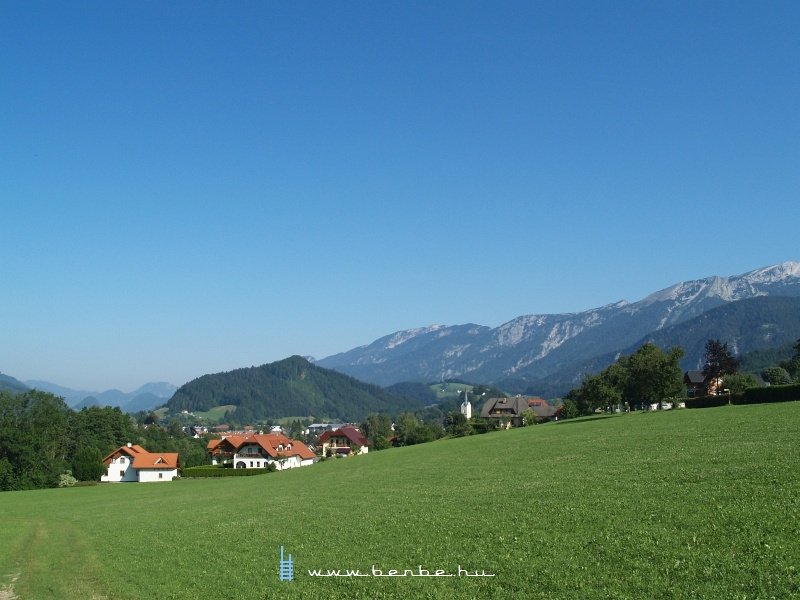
(466,407)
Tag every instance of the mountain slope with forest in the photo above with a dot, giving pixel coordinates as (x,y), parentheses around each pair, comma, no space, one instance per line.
(10,384)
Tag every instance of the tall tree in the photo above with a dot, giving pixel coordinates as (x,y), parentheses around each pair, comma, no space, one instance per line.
(654,375)
(792,365)
(378,430)
(456,424)
(601,390)
(647,376)
(719,362)
(87,464)
(34,439)
(405,428)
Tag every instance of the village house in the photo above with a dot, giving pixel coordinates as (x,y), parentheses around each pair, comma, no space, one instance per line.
(505,412)
(258,451)
(510,412)
(133,463)
(543,409)
(698,385)
(343,441)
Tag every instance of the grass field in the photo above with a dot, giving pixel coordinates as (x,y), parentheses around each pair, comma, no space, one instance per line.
(679,504)
(445,391)
(216,414)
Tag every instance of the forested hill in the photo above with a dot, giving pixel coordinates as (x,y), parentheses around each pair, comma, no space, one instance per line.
(288,388)
(10,384)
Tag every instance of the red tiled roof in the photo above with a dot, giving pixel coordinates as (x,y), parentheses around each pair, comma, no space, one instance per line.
(351,433)
(301,450)
(148,460)
(130,450)
(270,442)
(142,459)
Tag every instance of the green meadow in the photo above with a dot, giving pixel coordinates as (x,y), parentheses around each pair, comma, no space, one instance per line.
(677,504)
(216,414)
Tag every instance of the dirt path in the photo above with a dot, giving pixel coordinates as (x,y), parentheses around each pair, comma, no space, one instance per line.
(7,592)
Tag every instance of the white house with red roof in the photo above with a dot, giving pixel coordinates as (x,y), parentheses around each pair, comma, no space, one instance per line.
(133,463)
(258,451)
(343,441)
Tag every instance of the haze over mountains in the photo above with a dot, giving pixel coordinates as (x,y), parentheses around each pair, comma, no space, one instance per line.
(146,397)
(554,350)
(541,354)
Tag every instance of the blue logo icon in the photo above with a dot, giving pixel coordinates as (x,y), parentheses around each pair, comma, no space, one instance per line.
(286,568)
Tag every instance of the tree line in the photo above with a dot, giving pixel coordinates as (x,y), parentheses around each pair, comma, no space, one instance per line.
(44,443)
(653,376)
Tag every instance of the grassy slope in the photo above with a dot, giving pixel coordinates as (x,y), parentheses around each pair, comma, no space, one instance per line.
(216,414)
(681,504)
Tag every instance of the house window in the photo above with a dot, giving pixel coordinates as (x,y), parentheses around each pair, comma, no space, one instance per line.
(161,476)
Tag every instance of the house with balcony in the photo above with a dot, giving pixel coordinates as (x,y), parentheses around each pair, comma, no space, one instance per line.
(343,442)
(259,451)
(505,412)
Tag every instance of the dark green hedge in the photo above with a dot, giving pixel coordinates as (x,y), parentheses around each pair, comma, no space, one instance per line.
(707,401)
(772,393)
(217,472)
(759,395)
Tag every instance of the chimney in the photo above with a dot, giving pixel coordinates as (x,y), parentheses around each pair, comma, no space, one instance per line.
(129,444)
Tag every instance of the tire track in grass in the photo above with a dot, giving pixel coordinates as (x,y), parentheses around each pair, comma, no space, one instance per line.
(60,548)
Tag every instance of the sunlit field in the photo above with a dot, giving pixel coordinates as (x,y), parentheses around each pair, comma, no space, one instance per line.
(678,504)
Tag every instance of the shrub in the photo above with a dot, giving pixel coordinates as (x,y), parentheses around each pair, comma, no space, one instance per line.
(66,480)
(87,465)
(211,471)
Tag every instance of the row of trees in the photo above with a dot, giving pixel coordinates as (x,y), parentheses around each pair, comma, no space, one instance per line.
(786,371)
(651,375)
(721,366)
(408,430)
(42,440)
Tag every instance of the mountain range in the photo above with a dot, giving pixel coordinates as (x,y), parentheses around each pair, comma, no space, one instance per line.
(147,397)
(556,349)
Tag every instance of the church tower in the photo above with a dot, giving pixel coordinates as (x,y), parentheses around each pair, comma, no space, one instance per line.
(466,407)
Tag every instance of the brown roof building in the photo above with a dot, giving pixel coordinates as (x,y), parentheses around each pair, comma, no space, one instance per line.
(343,441)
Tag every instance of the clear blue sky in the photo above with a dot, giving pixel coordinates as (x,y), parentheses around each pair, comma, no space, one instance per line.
(192,187)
